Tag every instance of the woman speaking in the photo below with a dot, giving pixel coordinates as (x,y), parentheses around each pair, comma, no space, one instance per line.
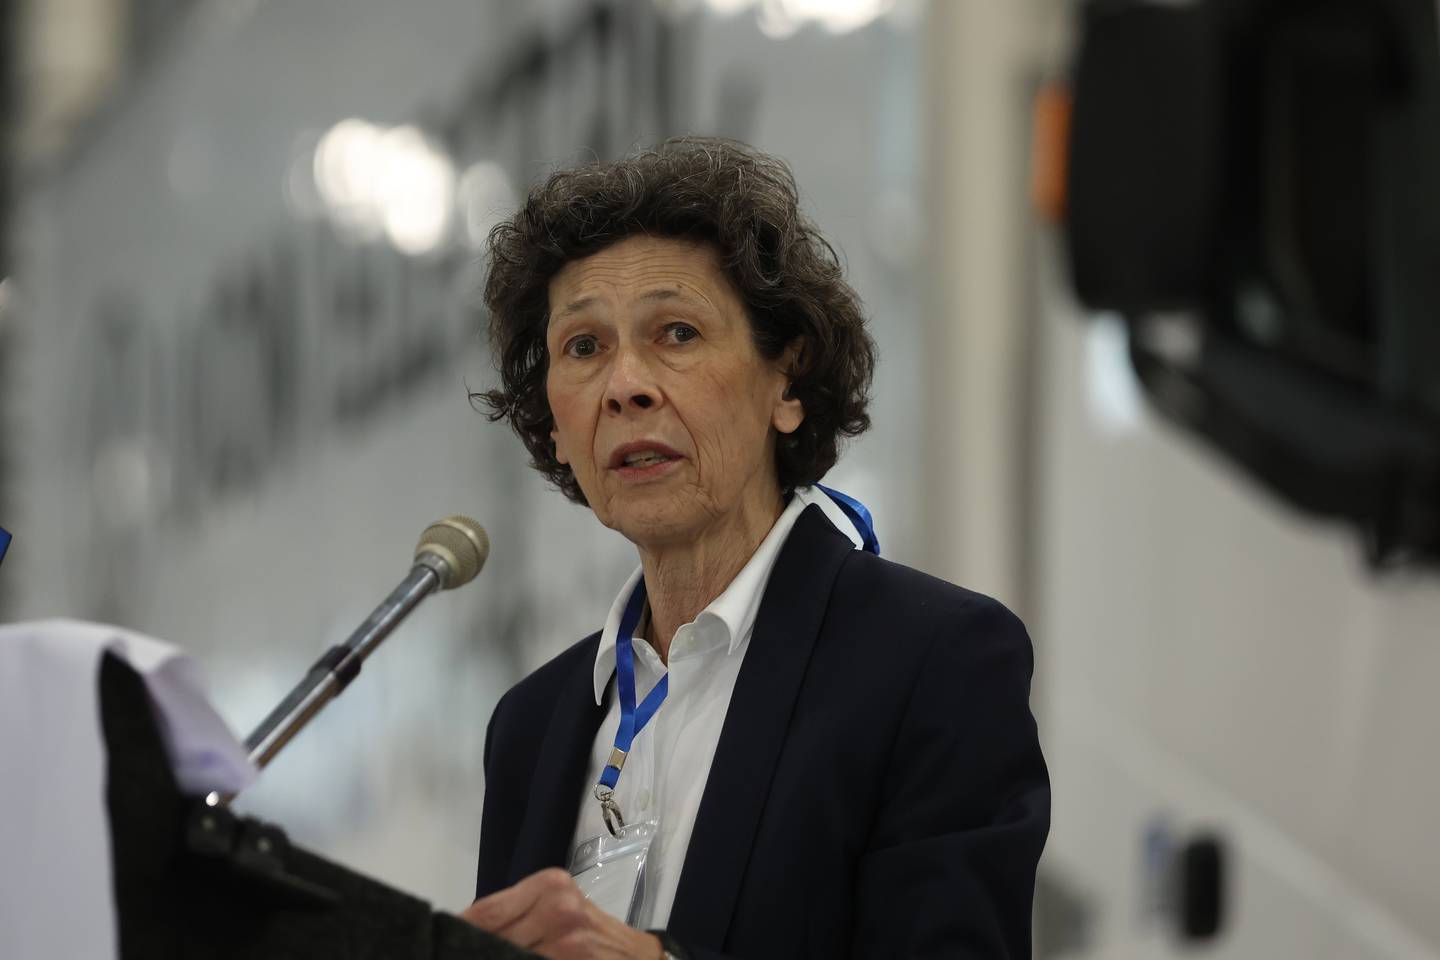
(779,744)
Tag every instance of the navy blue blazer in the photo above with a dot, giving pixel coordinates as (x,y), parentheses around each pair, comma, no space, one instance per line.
(877,790)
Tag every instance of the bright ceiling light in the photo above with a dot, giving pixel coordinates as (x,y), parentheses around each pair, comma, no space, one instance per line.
(727,8)
(394,182)
(837,16)
(348,163)
(781,18)
(416,191)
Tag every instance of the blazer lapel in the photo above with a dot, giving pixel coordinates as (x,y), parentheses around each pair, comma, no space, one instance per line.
(754,732)
(549,822)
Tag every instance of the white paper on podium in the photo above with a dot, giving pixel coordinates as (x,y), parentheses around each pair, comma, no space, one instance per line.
(56,898)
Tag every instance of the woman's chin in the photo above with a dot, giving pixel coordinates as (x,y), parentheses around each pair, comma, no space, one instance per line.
(654,523)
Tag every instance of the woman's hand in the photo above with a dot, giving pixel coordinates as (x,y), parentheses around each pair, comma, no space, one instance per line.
(547,914)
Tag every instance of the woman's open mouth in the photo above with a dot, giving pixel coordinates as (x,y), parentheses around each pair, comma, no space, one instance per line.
(639,461)
(645,459)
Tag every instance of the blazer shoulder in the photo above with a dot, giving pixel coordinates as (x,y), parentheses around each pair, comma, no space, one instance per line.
(544,684)
(919,609)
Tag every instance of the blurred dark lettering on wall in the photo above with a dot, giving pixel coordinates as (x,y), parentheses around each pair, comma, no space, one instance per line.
(310,331)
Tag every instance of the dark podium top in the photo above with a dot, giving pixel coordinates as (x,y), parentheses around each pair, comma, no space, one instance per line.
(198,882)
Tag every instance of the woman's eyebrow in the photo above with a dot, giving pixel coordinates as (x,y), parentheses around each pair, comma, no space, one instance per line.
(574,306)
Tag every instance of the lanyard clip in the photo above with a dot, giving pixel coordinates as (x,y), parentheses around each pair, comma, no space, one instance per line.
(609,809)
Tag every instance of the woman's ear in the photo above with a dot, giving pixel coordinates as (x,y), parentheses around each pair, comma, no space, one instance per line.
(789,412)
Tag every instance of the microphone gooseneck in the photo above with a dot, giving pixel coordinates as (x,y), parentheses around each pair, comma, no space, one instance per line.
(450,554)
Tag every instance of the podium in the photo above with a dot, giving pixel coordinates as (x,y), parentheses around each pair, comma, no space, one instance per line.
(202,883)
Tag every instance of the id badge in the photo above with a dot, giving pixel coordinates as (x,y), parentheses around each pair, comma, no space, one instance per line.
(610,871)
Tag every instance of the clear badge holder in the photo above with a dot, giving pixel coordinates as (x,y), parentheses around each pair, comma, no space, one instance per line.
(610,871)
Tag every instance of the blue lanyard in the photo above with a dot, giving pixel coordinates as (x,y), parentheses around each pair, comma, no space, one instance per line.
(859,515)
(632,718)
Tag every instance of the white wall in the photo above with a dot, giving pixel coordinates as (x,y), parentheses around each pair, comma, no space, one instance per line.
(1212,656)
(1205,658)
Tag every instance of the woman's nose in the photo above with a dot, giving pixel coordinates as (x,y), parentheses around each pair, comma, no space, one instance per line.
(631,386)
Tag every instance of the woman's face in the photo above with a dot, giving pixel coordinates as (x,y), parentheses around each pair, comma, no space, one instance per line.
(664,408)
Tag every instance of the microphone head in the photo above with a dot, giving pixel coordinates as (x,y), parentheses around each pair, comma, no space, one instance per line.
(460,544)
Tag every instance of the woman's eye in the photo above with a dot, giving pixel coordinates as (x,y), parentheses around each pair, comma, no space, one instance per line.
(583,346)
(682,332)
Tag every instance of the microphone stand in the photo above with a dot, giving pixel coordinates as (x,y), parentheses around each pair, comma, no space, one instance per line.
(339,665)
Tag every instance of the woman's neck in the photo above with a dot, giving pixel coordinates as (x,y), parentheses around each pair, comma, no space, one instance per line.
(683,577)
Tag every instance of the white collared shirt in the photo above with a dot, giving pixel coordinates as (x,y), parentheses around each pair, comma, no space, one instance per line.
(669,762)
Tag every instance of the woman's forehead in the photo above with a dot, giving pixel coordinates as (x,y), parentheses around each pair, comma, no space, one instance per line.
(639,269)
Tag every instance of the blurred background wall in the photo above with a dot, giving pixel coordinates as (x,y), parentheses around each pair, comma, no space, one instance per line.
(239,324)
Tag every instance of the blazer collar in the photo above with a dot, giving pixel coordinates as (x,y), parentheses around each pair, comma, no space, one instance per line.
(732,614)
(786,626)
(754,733)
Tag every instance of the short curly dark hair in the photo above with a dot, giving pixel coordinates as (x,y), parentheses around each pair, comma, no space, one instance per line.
(744,205)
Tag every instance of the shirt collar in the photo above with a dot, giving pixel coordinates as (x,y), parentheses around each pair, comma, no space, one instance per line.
(733,612)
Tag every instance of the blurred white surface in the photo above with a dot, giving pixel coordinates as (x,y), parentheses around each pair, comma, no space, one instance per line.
(1213,657)
(56,896)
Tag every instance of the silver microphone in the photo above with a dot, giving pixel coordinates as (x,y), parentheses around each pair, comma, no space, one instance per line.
(450,553)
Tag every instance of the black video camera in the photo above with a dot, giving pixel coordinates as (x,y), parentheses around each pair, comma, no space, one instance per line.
(1254,185)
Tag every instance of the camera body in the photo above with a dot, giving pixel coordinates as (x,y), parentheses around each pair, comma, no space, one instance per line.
(1254,185)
